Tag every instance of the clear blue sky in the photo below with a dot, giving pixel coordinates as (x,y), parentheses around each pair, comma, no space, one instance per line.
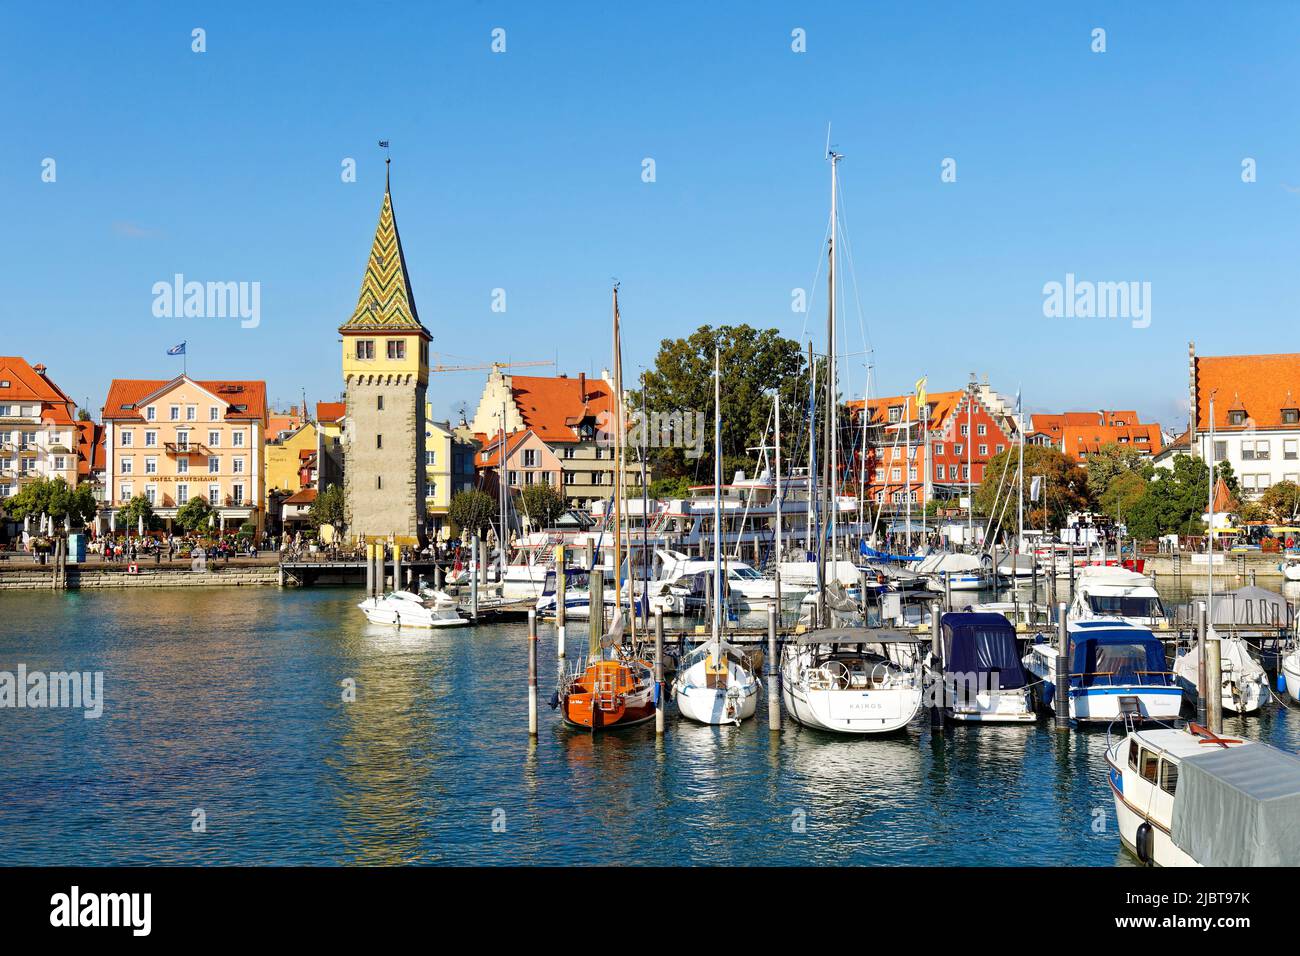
(523,171)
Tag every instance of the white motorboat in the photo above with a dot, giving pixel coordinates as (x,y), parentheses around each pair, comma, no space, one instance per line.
(1290,567)
(404,609)
(1187,797)
(1024,615)
(1244,682)
(980,671)
(1108,661)
(846,680)
(1111,593)
(953,571)
(747,587)
(803,575)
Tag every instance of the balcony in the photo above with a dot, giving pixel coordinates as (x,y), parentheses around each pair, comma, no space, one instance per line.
(177,448)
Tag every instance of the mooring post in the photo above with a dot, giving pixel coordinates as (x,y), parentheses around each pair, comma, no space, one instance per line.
(773,701)
(936,666)
(1214,683)
(398,583)
(370,570)
(1201,625)
(596,607)
(532,672)
(559,606)
(659,670)
(1061,693)
(437,575)
(947,589)
(475,568)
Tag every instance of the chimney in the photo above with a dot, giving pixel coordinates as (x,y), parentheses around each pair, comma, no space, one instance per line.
(582,386)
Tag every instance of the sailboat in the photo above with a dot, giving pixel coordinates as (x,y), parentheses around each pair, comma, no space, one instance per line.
(614,688)
(715,683)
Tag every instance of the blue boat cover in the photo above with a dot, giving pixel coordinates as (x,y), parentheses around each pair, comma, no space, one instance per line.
(1116,656)
(975,643)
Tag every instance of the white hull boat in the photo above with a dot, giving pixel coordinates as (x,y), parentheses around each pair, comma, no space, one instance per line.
(982,677)
(713,688)
(404,609)
(1244,682)
(832,679)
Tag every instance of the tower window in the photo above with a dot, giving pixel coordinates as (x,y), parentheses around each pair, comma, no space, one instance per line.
(397,348)
(365,348)
(379,441)
(380,403)
(379,481)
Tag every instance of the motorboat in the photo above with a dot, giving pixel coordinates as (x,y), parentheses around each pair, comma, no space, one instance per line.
(1023,615)
(980,670)
(848,681)
(1244,682)
(1290,567)
(1189,797)
(747,587)
(953,571)
(1111,593)
(404,609)
(1109,662)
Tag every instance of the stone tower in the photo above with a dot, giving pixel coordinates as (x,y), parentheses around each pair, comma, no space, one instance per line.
(385,374)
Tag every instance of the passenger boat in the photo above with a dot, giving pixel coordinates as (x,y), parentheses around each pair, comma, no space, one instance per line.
(1188,797)
(1244,682)
(1108,662)
(1110,593)
(980,670)
(849,681)
(404,609)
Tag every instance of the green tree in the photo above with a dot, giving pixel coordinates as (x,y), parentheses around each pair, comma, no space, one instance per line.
(541,504)
(56,498)
(1282,502)
(194,514)
(1174,501)
(1122,494)
(328,509)
(129,515)
(1063,488)
(472,510)
(1109,462)
(753,362)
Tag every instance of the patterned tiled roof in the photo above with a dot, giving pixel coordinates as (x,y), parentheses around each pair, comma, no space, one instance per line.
(1259,385)
(386,301)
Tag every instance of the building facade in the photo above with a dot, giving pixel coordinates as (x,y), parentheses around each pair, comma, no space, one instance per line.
(1080,434)
(1256,416)
(171,441)
(385,375)
(39,436)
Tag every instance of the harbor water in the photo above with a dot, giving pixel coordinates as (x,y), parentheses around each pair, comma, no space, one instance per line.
(227,738)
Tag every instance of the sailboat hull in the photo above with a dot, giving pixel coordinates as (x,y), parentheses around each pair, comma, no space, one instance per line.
(609,694)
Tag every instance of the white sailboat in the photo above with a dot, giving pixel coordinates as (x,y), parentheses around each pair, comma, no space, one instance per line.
(715,683)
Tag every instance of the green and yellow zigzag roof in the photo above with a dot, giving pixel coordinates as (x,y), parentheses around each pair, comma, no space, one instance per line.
(386,302)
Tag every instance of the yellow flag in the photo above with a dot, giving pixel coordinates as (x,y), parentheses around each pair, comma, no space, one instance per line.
(920,392)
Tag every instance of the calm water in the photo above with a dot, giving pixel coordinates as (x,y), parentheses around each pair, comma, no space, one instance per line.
(230,701)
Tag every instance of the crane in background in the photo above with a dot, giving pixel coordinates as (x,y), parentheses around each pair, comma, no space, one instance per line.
(490,366)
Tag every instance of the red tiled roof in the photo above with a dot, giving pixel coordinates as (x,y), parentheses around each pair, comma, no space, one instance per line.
(131,391)
(90,448)
(550,406)
(304,497)
(1260,385)
(28,385)
(941,405)
(491,445)
(1088,439)
(330,411)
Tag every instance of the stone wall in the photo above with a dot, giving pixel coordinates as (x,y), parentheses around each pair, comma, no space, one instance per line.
(36,578)
(398,506)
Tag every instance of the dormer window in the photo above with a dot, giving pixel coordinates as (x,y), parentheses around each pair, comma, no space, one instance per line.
(1291,416)
(1237,417)
(895,413)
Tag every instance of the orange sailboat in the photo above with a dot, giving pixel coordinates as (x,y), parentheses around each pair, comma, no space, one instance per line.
(616,688)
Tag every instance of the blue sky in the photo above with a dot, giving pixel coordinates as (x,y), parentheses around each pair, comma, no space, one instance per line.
(522,171)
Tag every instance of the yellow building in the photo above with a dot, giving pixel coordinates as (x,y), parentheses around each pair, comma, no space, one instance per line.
(180,439)
(291,460)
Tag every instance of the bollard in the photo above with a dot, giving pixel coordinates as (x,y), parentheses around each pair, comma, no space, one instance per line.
(370,570)
(659,670)
(1062,691)
(532,672)
(936,665)
(773,701)
(1202,633)
(398,584)
(1214,683)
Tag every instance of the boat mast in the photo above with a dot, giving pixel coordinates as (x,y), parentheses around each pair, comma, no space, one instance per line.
(718,585)
(812,450)
(776,402)
(501,504)
(927,480)
(1020,486)
(618,470)
(1209,595)
(828,470)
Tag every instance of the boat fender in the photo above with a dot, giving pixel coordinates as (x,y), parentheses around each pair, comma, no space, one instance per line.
(555,700)
(1281,682)
(1143,842)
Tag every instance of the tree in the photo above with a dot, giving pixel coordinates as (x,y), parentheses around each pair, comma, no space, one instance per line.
(129,515)
(1282,501)
(681,384)
(1225,472)
(328,509)
(1122,494)
(194,514)
(1174,502)
(471,510)
(542,504)
(1063,488)
(1109,462)
(56,498)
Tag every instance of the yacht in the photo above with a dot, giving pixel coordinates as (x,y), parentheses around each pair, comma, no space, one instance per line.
(980,670)
(848,681)
(1110,593)
(1108,662)
(748,588)
(1244,682)
(953,571)
(404,609)
(1188,797)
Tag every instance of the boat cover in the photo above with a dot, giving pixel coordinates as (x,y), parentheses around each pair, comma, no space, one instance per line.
(977,643)
(1118,653)
(1239,806)
(1251,605)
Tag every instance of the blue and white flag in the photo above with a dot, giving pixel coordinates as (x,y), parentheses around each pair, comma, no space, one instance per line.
(177,349)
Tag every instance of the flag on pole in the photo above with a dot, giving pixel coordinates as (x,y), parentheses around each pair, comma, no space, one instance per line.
(1035,485)
(177,349)
(920,392)
(1017,401)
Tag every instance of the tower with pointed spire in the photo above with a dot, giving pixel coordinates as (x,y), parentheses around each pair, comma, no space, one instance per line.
(385,375)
